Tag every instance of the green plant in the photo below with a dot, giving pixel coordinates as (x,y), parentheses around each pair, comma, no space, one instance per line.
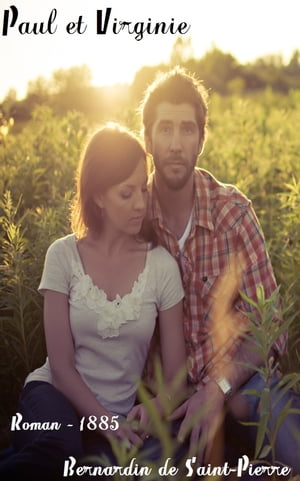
(24,238)
(265,326)
(18,303)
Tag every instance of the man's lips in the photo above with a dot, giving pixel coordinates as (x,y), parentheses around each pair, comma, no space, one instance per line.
(175,160)
(175,163)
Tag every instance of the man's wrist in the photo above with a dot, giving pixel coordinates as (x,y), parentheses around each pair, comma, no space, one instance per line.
(224,385)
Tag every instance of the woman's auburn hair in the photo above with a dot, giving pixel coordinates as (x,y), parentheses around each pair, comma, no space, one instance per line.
(110,157)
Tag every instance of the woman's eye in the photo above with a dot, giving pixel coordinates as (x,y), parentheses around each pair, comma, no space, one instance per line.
(125,195)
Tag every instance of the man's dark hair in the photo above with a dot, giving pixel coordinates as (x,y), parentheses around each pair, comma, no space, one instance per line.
(176,86)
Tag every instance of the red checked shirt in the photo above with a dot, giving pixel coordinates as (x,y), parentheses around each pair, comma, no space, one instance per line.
(223,222)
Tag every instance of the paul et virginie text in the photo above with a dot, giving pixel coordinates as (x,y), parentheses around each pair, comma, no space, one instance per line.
(105,23)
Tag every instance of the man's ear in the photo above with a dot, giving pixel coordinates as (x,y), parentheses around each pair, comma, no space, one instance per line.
(201,146)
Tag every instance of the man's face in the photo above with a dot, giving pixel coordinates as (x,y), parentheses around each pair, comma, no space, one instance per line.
(174,143)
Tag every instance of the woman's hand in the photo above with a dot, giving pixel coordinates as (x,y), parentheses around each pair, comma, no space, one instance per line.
(140,418)
(124,435)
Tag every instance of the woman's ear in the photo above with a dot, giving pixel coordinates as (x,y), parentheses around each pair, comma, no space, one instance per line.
(98,201)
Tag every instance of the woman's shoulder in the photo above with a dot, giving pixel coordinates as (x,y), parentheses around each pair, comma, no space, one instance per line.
(63,244)
(161,255)
(166,277)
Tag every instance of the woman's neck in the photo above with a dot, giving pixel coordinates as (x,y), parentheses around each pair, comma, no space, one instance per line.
(112,244)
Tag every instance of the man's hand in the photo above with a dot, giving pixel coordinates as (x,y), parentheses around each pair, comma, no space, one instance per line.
(203,414)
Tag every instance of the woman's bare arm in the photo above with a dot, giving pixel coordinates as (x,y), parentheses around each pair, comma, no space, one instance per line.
(61,354)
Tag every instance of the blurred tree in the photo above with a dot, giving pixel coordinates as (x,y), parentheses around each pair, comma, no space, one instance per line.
(270,69)
(236,86)
(294,63)
(182,51)
(8,103)
(217,68)
(40,87)
(292,71)
(71,88)
(252,80)
(142,79)
(71,80)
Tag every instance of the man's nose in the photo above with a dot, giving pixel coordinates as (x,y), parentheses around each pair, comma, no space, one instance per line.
(175,144)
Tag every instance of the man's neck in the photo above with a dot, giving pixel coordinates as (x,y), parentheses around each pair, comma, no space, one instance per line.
(176,205)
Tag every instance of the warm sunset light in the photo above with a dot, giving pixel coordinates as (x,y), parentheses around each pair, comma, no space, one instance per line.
(132,38)
(149,239)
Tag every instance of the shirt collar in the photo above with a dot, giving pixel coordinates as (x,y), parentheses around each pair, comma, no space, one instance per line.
(202,203)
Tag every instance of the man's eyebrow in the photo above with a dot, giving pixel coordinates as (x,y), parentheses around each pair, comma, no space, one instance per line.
(184,122)
(165,121)
(188,122)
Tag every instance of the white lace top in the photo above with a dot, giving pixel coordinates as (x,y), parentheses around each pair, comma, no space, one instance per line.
(111,338)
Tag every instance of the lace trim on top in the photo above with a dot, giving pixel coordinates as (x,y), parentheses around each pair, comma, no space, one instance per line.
(111,315)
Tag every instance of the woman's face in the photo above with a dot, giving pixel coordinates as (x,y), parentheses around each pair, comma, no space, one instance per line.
(124,205)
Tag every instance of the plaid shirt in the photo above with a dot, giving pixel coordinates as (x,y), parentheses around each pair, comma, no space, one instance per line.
(223,223)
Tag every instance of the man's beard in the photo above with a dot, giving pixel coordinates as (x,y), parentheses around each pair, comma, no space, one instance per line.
(175,182)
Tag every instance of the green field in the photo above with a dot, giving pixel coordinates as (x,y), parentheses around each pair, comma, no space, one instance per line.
(253,141)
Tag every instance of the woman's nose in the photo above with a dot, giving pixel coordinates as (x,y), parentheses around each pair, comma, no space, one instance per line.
(140,201)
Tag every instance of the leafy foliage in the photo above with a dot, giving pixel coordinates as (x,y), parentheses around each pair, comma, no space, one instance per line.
(264,330)
(37,173)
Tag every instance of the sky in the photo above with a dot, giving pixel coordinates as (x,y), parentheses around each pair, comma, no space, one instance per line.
(247,29)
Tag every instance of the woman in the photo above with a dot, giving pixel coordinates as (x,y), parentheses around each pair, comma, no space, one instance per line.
(103,287)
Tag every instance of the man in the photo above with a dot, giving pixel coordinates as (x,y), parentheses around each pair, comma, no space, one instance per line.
(212,231)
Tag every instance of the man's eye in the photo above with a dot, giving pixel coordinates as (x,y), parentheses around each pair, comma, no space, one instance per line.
(165,129)
(188,130)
